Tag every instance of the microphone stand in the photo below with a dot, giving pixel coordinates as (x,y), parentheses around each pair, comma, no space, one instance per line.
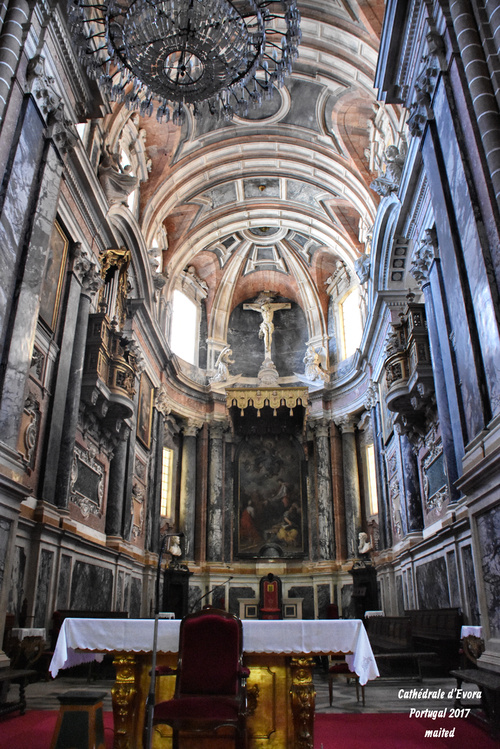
(210,591)
(150,702)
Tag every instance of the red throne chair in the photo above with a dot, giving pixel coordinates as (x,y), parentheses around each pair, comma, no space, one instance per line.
(210,686)
(270,605)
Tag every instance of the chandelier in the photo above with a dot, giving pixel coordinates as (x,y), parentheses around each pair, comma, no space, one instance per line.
(195,54)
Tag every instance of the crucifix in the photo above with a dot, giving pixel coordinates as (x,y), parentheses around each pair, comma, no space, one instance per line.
(265,305)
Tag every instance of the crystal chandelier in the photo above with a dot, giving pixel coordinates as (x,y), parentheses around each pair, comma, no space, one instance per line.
(199,54)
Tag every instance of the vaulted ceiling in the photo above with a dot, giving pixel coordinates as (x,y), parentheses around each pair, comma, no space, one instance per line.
(278,199)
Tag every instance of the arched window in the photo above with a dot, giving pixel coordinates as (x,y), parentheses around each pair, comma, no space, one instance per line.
(351,323)
(184,328)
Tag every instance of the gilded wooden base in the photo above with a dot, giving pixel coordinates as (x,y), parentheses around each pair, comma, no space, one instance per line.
(281,702)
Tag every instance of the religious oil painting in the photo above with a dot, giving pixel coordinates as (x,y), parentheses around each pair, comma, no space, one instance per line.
(145,411)
(54,276)
(270,497)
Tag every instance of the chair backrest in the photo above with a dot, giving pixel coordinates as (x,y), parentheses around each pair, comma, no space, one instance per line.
(210,650)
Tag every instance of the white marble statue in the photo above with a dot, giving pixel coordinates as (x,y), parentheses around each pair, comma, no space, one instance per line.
(221,365)
(265,305)
(364,543)
(312,366)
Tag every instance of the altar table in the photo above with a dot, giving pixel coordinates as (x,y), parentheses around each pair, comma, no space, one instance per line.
(280,656)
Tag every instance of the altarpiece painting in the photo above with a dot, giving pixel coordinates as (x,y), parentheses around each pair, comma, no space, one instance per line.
(270,497)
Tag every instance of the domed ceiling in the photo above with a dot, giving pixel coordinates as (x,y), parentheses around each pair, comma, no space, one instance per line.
(279,199)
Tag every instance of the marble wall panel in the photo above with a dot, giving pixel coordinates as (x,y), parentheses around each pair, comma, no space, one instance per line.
(470,586)
(194,595)
(91,587)
(399,595)
(5,525)
(43,587)
(218,598)
(64,582)
(306,592)
(451,561)
(16,591)
(323,593)
(346,602)
(239,592)
(432,585)
(18,194)
(126,593)
(119,591)
(488,527)
(134,610)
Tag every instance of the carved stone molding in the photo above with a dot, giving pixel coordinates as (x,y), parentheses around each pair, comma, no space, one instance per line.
(50,103)
(162,401)
(87,271)
(345,423)
(80,486)
(425,84)
(423,257)
(389,181)
(320,427)
(191,428)
(371,396)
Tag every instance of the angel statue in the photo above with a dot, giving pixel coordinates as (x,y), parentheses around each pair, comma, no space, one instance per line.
(221,365)
(312,365)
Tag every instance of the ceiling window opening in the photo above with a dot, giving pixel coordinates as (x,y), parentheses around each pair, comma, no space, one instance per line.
(372,480)
(166,483)
(351,323)
(184,332)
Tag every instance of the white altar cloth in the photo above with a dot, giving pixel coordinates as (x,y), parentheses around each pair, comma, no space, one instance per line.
(288,637)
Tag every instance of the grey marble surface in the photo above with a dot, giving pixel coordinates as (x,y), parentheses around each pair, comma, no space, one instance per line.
(432,584)
(488,528)
(91,587)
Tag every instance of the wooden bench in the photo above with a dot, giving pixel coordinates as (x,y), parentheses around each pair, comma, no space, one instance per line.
(489,684)
(437,630)
(21,677)
(389,634)
(391,641)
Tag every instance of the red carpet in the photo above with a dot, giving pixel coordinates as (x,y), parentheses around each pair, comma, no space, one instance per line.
(344,731)
(34,729)
(395,731)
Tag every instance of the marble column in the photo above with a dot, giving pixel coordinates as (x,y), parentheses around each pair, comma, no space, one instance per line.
(11,40)
(372,406)
(22,334)
(426,264)
(352,497)
(215,491)
(55,429)
(411,502)
(88,271)
(338,492)
(326,537)
(116,486)
(188,487)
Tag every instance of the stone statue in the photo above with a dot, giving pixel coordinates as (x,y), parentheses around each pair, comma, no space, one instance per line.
(312,365)
(265,305)
(364,543)
(115,181)
(222,370)
(390,180)
(362,268)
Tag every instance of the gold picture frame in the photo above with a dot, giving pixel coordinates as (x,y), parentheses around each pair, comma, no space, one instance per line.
(53,277)
(145,410)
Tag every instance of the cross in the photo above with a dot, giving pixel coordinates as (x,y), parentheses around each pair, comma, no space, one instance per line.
(267,308)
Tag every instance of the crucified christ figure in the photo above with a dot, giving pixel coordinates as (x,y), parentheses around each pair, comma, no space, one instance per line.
(267,308)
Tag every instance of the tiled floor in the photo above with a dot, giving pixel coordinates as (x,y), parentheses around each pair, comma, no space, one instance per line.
(381,695)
